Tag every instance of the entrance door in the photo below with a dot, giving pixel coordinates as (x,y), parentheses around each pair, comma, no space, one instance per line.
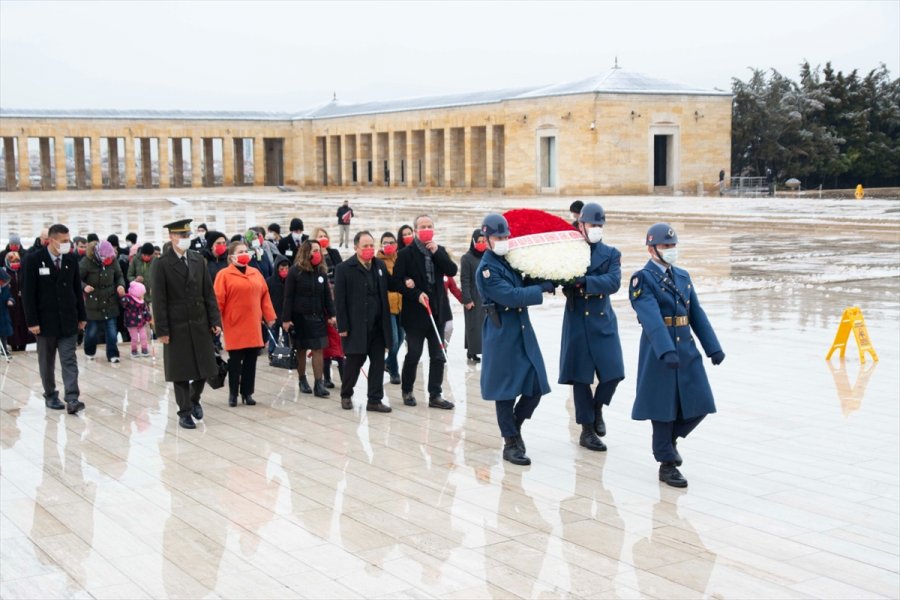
(274,161)
(661,160)
(547,162)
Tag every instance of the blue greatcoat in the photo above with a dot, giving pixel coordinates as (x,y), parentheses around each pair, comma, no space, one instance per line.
(511,358)
(590,335)
(659,389)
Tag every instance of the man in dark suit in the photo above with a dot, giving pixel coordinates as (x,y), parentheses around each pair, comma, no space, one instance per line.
(363,320)
(290,244)
(186,316)
(199,242)
(54,313)
(419,275)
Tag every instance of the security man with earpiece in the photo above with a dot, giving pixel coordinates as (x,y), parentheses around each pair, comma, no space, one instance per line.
(590,335)
(673,391)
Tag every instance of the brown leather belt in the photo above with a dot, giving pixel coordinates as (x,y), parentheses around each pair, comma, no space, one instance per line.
(676,321)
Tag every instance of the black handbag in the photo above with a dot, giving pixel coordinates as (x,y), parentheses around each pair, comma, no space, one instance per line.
(218,380)
(282,357)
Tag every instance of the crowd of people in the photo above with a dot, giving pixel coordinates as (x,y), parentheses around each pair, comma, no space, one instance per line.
(205,295)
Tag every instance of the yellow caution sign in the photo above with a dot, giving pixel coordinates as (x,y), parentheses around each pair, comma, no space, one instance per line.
(860,192)
(852,320)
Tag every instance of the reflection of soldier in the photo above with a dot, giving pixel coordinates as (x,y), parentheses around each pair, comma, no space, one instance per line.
(590,334)
(672,388)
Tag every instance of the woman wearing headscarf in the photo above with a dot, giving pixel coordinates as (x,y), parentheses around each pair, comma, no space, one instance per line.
(244,303)
(20,337)
(471,299)
(308,308)
(103,285)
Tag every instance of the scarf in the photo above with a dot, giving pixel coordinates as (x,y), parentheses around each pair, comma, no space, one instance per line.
(429,263)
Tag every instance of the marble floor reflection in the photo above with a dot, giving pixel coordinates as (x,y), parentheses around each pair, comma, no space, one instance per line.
(794,484)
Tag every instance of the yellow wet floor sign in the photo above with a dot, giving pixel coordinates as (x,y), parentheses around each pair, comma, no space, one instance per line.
(852,320)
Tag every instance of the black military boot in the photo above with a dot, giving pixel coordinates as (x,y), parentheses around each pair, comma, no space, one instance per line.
(519,423)
(590,440)
(514,451)
(599,425)
(304,386)
(670,475)
(319,389)
(677,460)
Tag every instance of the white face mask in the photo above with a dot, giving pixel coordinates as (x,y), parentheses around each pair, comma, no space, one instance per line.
(670,255)
(184,243)
(501,247)
(297,236)
(595,234)
(255,243)
(65,248)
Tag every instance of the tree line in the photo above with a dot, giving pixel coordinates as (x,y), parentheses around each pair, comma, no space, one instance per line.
(829,128)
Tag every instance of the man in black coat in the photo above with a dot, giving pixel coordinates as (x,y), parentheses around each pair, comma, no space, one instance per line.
(363,320)
(186,317)
(54,313)
(419,276)
(290,244)
(199,242)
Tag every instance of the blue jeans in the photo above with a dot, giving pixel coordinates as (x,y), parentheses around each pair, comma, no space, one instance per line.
(397,337)
(90,337)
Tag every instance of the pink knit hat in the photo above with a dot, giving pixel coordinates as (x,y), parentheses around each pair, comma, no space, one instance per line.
(137,290)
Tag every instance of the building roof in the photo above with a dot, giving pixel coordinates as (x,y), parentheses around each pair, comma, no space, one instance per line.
(614,81)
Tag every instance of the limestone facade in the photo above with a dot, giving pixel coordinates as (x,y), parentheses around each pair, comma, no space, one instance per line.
(590,142)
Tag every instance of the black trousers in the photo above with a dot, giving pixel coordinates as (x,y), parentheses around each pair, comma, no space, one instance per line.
(187,394)
(242,371)
(666,432)
(587,404)
(353,364)
(510,411)
(415,340)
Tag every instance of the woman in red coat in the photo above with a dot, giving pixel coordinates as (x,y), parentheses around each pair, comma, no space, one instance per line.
(243,298)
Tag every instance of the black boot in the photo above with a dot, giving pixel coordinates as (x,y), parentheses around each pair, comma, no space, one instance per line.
(670,475)
(327,381)
(514,451)
(409,399)
(319,389)
(599,425)
(232,400)
(519,423)
(248,400)
(590,440)
(677,460)
(54,403)
(187,422)
(304,386)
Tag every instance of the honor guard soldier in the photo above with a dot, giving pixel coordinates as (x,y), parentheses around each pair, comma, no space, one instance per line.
(186,317)
(590,334)
(512,364)
(672,389)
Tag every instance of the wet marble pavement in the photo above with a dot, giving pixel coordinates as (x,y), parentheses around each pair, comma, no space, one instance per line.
(794,483)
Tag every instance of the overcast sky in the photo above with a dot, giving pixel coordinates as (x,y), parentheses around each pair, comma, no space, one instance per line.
(284,56)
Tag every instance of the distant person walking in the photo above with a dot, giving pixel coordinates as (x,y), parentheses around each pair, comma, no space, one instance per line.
(54,313)
(344,214)
(722,182)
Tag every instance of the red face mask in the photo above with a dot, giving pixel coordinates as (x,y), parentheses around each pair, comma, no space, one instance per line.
(323,242)
(408,239)
(15,266)
(45,242)
(282,273)
(480,246)
(243,259)
(367,254)
(80,251)
(14,247)
(146,257)
(108,261)
(315,258)
(425,235)
(220,249)
(389,249)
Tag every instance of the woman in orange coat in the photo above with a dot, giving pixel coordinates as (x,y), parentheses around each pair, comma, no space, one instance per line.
(244,302)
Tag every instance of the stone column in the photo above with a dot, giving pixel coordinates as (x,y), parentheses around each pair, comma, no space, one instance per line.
(130,164)
(9,156)
(259,161)
(24,163)
(377,160)
(330,167)
(59,155)
(427,176)
(393,169)
(178,162)
(412,171)
(489,155)
(209,164)
(146,163)
(450,176)
(227,161)
(196,176)
(467,158)
(112,149)
(162,145)
(96,165)
(80,168)
(238,144)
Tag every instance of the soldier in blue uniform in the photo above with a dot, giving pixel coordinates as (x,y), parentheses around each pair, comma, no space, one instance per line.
(672,389)
(590,334)
(512,365)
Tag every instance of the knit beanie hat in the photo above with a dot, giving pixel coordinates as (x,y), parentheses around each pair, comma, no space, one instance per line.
(137,290)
